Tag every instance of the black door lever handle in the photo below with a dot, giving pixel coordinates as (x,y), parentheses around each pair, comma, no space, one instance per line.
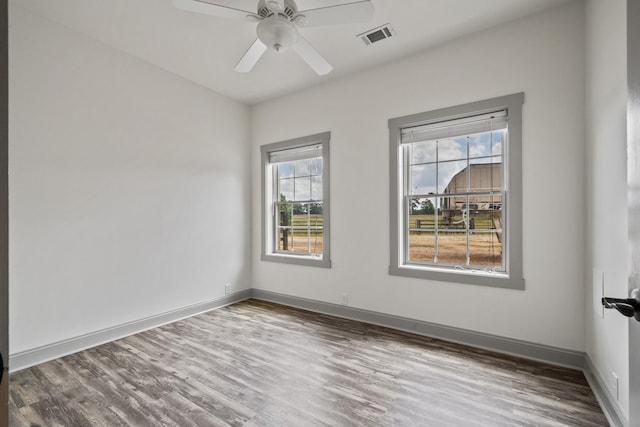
(629,307)
(622,306)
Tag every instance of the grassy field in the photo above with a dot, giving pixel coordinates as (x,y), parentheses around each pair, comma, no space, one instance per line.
(298,239)
(485,249)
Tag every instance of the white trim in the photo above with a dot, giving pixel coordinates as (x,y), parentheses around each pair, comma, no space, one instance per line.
(527,350)
(610,407)
(45,353)
(268,241)
(512,198)
(445,129)
(299,153)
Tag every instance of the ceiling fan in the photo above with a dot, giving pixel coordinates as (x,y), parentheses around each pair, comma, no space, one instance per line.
(278,22)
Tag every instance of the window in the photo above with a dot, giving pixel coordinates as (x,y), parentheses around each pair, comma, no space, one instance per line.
(295,193)
(456,194)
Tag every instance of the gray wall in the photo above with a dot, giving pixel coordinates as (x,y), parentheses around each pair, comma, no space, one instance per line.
(129,187)
(542,56)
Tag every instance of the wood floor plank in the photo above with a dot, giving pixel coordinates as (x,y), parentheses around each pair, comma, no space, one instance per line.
(261,364)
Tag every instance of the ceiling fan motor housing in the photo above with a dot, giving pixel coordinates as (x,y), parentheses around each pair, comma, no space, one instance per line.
(264,9)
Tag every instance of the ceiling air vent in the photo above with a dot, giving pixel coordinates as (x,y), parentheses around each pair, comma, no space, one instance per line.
(377,34)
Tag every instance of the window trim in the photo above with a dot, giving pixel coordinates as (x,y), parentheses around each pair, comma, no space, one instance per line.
(513,279)
(268,252)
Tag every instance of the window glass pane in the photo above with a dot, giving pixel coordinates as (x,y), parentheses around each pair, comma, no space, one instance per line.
(452,177)
(285,239)
(284,215)
(452,149)
(286,189)
(316,188)
(485,160)
(497,141)
(285,170)
(423,179)
(303,188)
(302,167)
(300,228)
(474,204)
(315,223)
(452,247)
(299,213)
(480,219)
(424,206)
(485,177)
(316,166)
(485,250)
(496,218)
(316,209)
(496,203)
(316,241)
(422,152)
(422,213)
(480,145)
(422,246)
(302,242)
(453,213)
(486,144)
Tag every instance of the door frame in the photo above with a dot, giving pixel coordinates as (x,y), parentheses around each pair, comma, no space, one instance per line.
(633,199)
(4,212)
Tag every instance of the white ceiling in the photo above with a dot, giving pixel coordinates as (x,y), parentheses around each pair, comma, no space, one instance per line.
(205,49)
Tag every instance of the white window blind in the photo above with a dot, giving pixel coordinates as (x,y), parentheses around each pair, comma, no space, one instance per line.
(455,128)
(293,154)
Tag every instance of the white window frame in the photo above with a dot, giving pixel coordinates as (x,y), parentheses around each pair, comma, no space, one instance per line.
(512,278)
(269,238)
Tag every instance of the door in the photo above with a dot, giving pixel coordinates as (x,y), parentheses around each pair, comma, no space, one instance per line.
(4,215)
(633,170)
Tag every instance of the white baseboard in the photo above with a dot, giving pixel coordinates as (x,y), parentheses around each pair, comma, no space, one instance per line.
(609,405)
(532,351)
(28,358)
(547,354)
(556,356)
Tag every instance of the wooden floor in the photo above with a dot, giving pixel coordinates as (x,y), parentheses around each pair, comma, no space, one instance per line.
(261,364)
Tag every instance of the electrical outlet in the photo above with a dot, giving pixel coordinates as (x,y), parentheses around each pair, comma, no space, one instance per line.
(615,385)
(227,289)
(345,299)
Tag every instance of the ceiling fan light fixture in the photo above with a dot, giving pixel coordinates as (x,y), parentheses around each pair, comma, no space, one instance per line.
(278,22)
(277,33)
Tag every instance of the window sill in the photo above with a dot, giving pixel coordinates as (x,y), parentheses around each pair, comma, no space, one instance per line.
(311,261)
(470,277)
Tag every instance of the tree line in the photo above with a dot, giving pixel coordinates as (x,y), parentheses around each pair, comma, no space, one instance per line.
(422,207)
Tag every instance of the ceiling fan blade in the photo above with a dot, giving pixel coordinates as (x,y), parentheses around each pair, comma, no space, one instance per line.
(201,6)
(251,57)
(348,13)
(312,57)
